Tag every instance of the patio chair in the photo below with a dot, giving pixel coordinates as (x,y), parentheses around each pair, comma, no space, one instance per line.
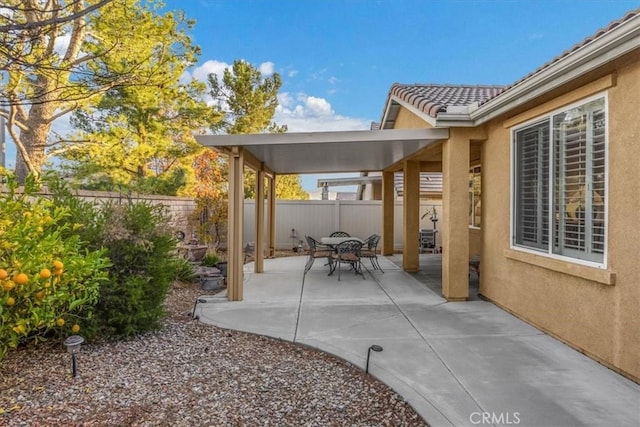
(316,250)
(371,251)
(347,252)
(339,234)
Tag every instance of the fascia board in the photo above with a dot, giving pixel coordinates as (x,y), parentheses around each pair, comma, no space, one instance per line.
(617,42)
(385,113)
(346,137)
(454,120)
(421,114)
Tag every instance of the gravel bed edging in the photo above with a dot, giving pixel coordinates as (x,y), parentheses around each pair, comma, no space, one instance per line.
(193,374)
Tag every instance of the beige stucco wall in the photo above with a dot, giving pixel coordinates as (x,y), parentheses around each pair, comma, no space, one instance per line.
(407,120)
(567,300)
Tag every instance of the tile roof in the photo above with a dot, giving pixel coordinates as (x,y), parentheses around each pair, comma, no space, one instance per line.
(436,98)
(601,32)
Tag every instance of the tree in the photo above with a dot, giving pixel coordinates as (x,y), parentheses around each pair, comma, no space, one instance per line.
(16,25)
(141,137)
(211,196)
(248,101)
(289,187)
(63,55)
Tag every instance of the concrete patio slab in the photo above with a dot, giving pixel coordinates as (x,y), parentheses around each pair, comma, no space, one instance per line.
(457,364)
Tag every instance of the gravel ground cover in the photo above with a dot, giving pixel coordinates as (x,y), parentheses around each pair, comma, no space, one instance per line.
(191,374)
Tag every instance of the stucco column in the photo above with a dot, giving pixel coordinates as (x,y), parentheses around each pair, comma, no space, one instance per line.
(411,216)
(271,207)
(234,232)
(388,203)
(258,265)
(455,216)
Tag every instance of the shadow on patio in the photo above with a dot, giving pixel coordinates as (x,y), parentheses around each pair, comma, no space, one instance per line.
(453,362)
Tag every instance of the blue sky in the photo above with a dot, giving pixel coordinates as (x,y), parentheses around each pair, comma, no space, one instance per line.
(338,58)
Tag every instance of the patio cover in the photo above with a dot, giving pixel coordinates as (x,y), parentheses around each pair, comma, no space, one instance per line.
(327,152)
(297,153)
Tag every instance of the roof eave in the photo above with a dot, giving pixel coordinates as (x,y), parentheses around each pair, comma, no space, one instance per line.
(421,114)
(614,44)
(457,120)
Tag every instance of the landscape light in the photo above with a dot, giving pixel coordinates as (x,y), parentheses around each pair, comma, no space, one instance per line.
(375,348)
(193,315)
(73,346)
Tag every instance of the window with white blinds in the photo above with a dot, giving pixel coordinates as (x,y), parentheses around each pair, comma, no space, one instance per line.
(559,180)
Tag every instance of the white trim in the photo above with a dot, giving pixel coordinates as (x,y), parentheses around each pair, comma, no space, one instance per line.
(548,117)
(327,152)
(343,137)
(421,114)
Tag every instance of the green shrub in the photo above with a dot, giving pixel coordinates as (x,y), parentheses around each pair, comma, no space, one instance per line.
(142,251)
(184,270)
(49,279)
(210,260)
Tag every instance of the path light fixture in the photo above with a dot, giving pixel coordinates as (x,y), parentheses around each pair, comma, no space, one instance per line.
(375,348)
(193,314)
(73,346)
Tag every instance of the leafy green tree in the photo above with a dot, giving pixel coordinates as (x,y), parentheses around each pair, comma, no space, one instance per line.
(140,137)
(289,187)
(59,56)
(248,101)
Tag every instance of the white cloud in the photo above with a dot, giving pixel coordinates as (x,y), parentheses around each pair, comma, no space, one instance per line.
(319,107)
(292,73)
(301,112)
(333,80)
(304,113)
(266,68)
(210,67)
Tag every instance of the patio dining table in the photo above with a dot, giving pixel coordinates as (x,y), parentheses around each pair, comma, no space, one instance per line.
(334,241)
(343,254)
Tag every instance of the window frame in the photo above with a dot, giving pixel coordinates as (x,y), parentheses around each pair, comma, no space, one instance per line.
(548,118)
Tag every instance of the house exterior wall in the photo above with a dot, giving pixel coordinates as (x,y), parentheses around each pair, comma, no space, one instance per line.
(594,310)
(407,120)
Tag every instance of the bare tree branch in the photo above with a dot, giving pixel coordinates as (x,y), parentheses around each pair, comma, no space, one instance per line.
(54,21)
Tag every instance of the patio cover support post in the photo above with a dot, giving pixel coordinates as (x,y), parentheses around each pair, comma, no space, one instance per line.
(455,216)
(388,211)
(258,250)
(411,216)
(271,207)
(235,232)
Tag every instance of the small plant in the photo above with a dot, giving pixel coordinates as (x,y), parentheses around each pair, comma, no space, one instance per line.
(210,260)
(184,271)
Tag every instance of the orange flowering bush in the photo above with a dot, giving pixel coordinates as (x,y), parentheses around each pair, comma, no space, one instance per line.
(48,284)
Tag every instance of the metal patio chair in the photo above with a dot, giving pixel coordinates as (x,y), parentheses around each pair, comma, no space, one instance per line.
(347,252)
(339,234)
(316,250)
(370,250)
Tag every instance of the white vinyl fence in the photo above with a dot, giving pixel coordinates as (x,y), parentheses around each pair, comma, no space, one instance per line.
(319,218)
